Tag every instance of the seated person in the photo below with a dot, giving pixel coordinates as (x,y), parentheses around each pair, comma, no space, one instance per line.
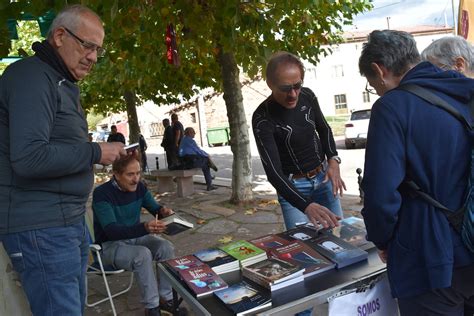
(194,157)
(128,243)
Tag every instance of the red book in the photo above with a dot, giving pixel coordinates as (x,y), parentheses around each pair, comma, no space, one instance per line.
(202,280)
(183,263)
(268,242)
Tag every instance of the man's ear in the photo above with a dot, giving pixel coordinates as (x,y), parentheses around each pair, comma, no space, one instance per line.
(460,64)
(380,71)
(58,37)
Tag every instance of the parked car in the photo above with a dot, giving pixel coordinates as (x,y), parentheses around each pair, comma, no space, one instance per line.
(100,136)
(356,128)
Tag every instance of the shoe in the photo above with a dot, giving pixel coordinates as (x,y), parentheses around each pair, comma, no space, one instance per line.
(211,187)
(153,311)
(168,308)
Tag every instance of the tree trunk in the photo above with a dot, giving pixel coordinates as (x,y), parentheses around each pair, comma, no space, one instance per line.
(133,127)
(239,130)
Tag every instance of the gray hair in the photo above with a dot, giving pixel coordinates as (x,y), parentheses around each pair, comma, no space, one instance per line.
(70,17)
(444,51)
(282,58)
(395,50)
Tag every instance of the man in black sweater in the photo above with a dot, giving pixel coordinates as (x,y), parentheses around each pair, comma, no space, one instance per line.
(297,147)
(115,136)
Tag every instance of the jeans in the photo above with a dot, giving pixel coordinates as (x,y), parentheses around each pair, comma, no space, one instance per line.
(52,265)
(195,161)
(137,255)
(319,192)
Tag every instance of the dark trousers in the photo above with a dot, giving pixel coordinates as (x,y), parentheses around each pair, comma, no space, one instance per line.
(172,156)
(169,157)
(194,161)
(457,300)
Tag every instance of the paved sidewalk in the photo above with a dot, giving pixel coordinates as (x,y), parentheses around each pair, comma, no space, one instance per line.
(215,220)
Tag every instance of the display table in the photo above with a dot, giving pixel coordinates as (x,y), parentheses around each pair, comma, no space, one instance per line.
(292,299)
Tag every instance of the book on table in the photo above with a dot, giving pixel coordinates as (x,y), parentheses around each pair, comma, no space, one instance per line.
(219,260)
(351,230)
(202,280)
(175,224)
(244,298)
(301,232)
(182,263)
(301,254)
(337,250)
(244,251)
(268,242)
(274,273)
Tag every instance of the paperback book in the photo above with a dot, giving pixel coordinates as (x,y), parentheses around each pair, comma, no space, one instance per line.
(301,232)
(244,298)
(244,251)
(268,242)
(175,224)
(219,260)
(202,280)
(352,230)
(274,273)
(183,263)
(299,253)
(337,250)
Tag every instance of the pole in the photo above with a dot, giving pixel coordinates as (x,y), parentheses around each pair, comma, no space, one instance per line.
(388,23)
(455,26)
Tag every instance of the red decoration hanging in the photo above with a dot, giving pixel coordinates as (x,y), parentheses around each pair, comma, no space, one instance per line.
(172,48)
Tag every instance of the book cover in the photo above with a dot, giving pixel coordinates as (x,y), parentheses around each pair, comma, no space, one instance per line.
(299,253)
(175,224)
(337,250)
(244,298)
(183,263)
(202,280)
(242,250)
(269,242)
(215,257)
(300,232)
(352,230)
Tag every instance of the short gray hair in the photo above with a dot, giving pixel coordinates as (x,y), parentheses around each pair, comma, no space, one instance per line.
(282,58)
(444,51)
(70,17)
(395,50)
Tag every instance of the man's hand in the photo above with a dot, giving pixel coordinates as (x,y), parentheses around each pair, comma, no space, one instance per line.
(111,152)
(334,175)
(383,255)
(155,226)
(165,211)
(318,214)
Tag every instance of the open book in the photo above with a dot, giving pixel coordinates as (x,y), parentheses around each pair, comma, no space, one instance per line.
(175,224)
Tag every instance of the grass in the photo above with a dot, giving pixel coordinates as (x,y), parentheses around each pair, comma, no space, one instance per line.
(337,123)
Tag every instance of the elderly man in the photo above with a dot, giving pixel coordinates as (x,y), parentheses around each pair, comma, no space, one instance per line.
(127,242)
(194,157)
(46,163)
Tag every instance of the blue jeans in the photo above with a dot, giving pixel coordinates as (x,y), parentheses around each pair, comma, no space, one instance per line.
(319,192)
(52,266)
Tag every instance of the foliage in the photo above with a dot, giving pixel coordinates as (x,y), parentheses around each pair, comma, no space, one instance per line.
(93,119)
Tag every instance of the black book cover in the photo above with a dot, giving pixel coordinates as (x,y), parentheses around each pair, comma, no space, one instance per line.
(244,298)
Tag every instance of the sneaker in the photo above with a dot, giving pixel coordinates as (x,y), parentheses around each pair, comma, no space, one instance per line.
(153,311)
(168,308)
(211,187)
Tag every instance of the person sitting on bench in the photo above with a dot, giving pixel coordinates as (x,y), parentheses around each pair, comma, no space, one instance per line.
(194,157)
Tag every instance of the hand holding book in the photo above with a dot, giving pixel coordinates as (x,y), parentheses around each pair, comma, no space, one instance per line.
(155,226)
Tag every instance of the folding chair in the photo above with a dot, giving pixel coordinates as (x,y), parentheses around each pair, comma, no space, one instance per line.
(96,267)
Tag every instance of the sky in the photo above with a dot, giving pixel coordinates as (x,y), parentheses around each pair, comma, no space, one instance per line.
(405,13)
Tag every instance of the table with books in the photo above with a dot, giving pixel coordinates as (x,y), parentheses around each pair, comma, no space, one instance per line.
(279,274)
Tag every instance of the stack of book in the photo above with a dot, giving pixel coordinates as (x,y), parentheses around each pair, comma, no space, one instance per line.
(219,260)
(299,253)
(198,276)
(244,298)
(274,273)
(245,252)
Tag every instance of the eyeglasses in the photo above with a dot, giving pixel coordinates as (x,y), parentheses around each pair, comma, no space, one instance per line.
(287,88)
(88,46)
(368,89)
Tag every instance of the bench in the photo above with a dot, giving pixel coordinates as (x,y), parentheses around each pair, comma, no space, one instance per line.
(183,178)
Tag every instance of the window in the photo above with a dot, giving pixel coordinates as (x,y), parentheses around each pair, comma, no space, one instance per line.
(193,117)
(311,72)
(340,103)
(366,97)
(156,129)
(337,71)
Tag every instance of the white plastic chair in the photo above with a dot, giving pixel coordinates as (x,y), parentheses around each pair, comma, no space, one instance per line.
(98,268)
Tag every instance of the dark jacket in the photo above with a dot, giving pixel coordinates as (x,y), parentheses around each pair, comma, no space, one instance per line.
(407,135)
(45,157)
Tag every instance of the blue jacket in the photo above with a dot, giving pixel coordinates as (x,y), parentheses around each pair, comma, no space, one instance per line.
(189,146)
(409,135)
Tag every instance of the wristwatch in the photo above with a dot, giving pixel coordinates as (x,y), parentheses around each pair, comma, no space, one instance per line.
(336,158)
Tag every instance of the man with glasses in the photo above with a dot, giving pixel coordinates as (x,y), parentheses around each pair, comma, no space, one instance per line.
(297,147)
(46,163)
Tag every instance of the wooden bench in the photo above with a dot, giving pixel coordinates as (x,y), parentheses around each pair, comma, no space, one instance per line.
(183,178)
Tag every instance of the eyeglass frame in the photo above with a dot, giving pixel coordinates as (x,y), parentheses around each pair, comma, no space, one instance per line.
(287,88)
(87,45)
(370,90)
